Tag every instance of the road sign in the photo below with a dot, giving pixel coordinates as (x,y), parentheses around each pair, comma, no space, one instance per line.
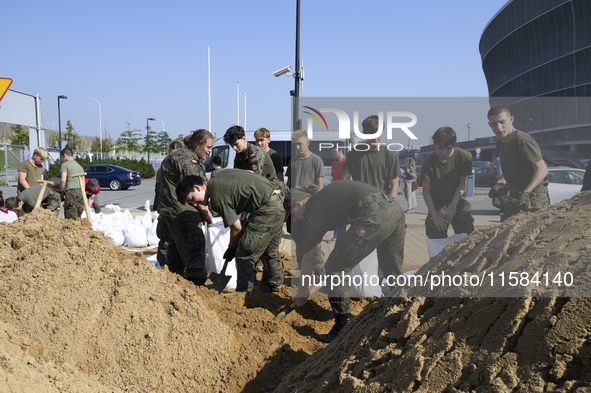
(478,150)
(4,85)
(477,155)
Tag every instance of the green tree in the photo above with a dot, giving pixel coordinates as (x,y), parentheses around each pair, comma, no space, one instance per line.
(150,141)
(19,135)
(180,138)
(128,140)
(71,137)
(107,145)
(54,136)
(163,142)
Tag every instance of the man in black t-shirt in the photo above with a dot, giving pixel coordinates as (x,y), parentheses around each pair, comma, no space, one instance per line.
(377,222)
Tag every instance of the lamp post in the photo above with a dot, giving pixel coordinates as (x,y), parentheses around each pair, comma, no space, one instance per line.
(100,125)
(468,131)
(148,136)
(542,121)
(59,120)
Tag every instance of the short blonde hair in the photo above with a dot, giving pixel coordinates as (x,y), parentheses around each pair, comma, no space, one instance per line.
(262,133)
(41,152)
(299,134)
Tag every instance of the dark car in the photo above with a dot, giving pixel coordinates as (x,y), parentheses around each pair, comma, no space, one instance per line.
(112,176)
(485,177)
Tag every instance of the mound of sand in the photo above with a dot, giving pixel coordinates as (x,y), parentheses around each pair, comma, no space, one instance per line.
(492,344)
(78,314)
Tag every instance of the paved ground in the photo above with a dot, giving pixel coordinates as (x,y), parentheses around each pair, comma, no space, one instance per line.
(416,253)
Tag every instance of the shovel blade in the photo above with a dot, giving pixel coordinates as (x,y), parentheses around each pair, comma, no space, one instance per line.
(222,279)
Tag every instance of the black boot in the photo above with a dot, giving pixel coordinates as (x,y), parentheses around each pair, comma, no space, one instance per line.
(340,322)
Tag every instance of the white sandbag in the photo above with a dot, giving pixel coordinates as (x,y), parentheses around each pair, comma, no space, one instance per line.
(113,207)
(217,239)
(135,236)
(147,217)
(153,239)
(435,246)
(153,259)
(364,275)
(116,236)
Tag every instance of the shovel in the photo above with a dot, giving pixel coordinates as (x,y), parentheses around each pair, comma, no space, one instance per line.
(222,279)
(279,317)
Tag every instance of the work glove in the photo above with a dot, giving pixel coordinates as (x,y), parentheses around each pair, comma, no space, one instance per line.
(496,190)
(230,253)
(524,201)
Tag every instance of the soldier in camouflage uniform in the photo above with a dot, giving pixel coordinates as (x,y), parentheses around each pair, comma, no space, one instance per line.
(250,157)
(50,200)
(377,222)
(230,193)
(186,246)
(161,229)
(73,202)
(443,177)
(524,169)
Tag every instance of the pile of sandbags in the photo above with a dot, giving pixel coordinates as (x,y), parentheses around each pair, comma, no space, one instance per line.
(123,229)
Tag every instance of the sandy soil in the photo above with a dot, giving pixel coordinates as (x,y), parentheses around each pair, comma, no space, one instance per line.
(483,344)
(79,315)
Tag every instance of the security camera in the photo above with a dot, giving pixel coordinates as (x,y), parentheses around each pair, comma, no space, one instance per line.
(282,71)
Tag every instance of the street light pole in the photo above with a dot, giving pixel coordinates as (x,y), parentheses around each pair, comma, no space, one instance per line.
(469,131)
(296,90)
(59,119)
(100,125)
(148,136)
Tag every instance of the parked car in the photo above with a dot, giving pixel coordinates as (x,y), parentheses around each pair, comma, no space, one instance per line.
(485,177)
(111,176)
(563,183)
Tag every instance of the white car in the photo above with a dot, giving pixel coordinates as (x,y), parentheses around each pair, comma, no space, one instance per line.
(564,182)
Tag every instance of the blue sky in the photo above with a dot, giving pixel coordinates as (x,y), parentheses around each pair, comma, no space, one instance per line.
(148,58)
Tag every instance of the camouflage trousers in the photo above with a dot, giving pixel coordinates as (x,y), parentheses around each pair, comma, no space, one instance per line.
(462,221)
(163,236)
(260,240)
(73,203)
(538,197)
(379,224)
(52,202)
(185,254)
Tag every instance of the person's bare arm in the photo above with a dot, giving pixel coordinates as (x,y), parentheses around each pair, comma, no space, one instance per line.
(235,233)
(460,190)
(320,183)
(347,176)
(540,172)
(63,181)
(306,270)
(22,179)
(280,176)
(394,187)
(437,219)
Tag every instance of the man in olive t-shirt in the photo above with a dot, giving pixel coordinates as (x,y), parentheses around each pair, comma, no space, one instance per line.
(377,222)
(73,202)
(50,200)
(230,193)
(443,178)
(31,171)
(524,169)
(378,165)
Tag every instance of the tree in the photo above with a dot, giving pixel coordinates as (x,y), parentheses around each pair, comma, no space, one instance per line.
(19,135)
(54,137)
(128,140)
(180,138)
(71,137)
(150,140)
(163,142)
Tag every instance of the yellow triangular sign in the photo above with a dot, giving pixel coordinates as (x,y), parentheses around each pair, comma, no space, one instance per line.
(4,85)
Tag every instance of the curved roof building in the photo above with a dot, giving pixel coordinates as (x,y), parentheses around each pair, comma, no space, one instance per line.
(536,57)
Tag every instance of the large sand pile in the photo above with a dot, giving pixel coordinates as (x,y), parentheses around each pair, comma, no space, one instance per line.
(483,344)
(78,314)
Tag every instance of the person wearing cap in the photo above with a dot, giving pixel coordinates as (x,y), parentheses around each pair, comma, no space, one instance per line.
(377,222)
(234,191)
